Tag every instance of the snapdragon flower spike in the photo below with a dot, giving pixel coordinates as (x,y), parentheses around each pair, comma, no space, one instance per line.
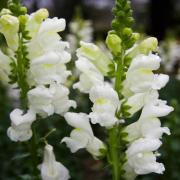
(106,102)
(141,83)
(50,168)
(82,136)
(90,76)
(47,101)
(20,129)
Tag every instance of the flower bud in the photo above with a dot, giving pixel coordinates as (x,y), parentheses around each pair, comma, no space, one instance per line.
(9,27)
(127,32)
(114,43)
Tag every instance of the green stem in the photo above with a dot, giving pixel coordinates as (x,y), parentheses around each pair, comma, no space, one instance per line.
(113,153)
(114,140)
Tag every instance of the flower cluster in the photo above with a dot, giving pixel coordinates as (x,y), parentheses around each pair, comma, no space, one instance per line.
(35,62)
(141,92)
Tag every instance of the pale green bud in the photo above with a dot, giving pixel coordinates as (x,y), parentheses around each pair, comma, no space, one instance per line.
(9,27)
(5,11)
(135,36)
(96,56)
(114,43)
(145,47)
(127,32)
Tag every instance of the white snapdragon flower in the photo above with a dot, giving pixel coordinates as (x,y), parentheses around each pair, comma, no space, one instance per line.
(82,136)
(47,69)
(20,129)
(148,124)
(47,101)
(47,38)
(50,168)
(9,27)
(40,100)
(94,54)
(89,77)
(60,99)
(141,84)
(106,102)
(141,158)
(4,67)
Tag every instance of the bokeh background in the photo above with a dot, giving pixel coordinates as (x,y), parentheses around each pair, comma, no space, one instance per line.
(91,21)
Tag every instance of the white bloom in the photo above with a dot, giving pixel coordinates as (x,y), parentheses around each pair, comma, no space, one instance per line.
(148,124)
(60,99)
(20,129)
(47,38)
(141,84)
(106,102)
(47,101)
(140,78)
(48,68)
(140,156)
(50,168)
(94,54)
(89,77)
(82,136)
(40,100)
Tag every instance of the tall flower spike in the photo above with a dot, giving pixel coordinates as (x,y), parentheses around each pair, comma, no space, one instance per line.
(50,168)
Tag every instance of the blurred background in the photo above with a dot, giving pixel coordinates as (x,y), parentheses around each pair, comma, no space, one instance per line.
(89,20)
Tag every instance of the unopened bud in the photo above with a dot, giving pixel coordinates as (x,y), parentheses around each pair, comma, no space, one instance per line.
(114,43)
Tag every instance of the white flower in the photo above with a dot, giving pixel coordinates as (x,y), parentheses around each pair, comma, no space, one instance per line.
(47,38)
(140,156)
(148,124)
(48,68)
(140,78)
(4,67)
(60,99)
(20,129)
(89,77)
(50,168)
(82,136)
(106,102)
(141,84)
(47,101)
(40,100)
(9,27)
(94,54)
